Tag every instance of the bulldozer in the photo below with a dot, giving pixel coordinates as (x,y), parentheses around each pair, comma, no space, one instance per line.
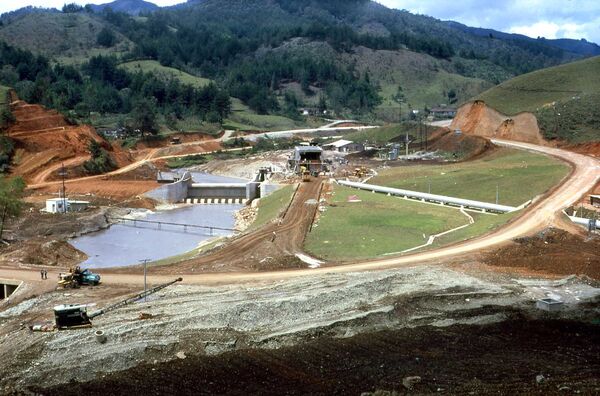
(73,316)
(77,277)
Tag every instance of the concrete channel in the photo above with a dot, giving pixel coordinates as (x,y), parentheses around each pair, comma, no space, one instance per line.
(8,287)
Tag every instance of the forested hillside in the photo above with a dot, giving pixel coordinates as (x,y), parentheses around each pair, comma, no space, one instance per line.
(356,58)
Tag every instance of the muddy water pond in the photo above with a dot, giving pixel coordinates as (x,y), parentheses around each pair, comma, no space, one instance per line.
(126,243)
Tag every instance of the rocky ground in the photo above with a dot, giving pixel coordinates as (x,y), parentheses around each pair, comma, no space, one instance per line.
(539,357)
(237,327)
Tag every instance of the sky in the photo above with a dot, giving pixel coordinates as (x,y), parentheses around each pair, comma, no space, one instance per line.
(545,18)
(552,19)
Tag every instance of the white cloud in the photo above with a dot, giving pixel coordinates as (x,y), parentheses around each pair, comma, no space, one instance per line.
(539,29)
(550,18)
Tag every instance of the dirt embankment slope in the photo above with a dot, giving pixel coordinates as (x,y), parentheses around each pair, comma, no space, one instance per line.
(45,138)
(476,118)
(463,146)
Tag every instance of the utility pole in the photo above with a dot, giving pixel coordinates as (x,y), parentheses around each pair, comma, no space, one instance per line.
(63,174)
(425,126)
(421,130)
(145,261)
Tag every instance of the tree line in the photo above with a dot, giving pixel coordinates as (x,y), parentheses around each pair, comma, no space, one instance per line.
(101,86)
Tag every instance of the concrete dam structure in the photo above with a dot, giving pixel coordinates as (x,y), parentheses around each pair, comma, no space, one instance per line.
(184,189)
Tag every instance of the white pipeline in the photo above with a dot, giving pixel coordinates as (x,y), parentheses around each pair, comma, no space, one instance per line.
(463,203)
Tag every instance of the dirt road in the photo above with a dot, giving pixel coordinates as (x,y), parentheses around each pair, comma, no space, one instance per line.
(42,176)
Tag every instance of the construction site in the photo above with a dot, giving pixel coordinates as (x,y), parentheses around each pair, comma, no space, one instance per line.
(467,266)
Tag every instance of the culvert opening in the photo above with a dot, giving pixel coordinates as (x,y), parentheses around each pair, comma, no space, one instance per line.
(8,287)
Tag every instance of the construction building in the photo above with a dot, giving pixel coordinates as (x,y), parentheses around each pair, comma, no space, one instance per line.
(344,146)
(443,112)
(308,158)
(63,205)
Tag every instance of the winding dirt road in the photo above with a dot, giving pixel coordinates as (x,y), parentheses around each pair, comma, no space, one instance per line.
(585,174)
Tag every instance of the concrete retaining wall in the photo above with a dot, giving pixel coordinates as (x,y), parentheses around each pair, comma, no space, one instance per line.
(253,190)
(267,189)
(8,287)
(174,192)
(217,190)
(185,189)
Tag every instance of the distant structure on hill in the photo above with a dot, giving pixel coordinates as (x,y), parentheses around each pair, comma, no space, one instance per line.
(443,112)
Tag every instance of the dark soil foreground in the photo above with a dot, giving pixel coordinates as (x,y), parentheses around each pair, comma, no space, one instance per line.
(502,358)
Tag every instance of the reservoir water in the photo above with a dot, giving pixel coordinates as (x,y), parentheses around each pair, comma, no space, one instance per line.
(125,244)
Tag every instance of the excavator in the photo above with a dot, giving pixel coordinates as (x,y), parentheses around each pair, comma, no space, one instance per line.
(72,316)
(77,277)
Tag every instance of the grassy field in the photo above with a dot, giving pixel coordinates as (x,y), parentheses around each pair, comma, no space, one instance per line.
(484,223)
(532,91)
(243,118)
(151,66)
(520,176)
(565,99)
(377,225)
(271,206)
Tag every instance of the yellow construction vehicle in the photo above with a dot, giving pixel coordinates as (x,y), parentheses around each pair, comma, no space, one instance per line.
(361,172)
(305,174)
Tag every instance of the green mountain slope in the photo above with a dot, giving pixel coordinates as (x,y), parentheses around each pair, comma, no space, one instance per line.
(163,72)
(69,38)
(565,99)
(355,58)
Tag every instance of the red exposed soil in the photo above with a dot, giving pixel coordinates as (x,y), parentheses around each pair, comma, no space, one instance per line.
(476,118)
(44,138)
(554,251)
(106,187)
(467,146)
(183,137)
(188,148)
(590,148)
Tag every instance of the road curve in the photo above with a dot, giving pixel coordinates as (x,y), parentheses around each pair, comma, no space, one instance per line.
(585,174)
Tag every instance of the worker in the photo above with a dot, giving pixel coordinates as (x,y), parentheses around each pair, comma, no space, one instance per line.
(45,274)
(274,236)
(42,274)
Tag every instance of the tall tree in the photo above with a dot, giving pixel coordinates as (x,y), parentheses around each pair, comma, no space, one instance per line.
(11,192)
(144,115)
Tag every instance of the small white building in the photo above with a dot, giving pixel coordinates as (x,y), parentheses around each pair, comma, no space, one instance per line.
(344,146)
(63,205)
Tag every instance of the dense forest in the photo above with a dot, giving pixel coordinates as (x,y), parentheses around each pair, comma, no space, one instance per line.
(100,86)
